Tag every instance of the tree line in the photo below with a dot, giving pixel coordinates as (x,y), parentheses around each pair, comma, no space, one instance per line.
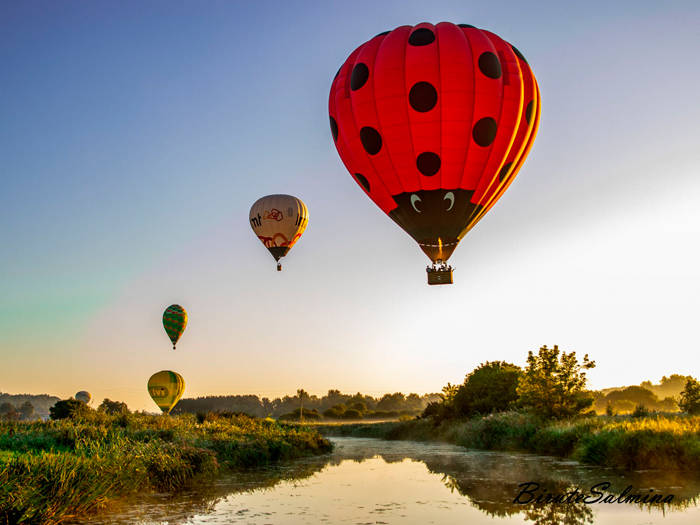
(334,404)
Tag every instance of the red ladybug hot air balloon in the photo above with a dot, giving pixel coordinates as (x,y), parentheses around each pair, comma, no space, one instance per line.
(434,122)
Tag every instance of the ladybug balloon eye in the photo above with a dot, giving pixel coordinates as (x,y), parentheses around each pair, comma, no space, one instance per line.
(449,196)
(415,198)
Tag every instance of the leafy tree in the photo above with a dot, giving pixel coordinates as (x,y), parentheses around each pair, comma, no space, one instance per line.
(8,411)
(449,392)
(491,387)
(302,394)
(393,401)
(609,411)
(553,385)
(113,408)
(68,408)
(359,406)
(690,397)
(26,410)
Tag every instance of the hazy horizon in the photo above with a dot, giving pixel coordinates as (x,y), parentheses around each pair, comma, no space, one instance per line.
(135,138)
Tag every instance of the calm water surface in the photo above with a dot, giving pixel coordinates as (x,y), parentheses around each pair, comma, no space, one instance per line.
(368,481)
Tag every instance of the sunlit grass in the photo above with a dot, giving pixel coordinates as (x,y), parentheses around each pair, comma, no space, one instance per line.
(654,442)
(50,471)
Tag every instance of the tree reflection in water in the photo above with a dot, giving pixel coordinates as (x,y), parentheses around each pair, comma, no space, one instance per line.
(488,480)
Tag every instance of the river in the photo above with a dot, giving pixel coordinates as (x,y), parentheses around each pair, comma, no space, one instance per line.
(371,481)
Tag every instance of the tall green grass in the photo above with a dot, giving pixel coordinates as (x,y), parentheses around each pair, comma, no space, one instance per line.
(55,470)
(654,442)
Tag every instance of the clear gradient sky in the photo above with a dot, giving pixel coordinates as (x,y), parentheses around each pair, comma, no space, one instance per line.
(134,137)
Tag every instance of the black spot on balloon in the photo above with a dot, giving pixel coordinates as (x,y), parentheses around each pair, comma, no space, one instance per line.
(428,163)
(484,131)
(421,37)
(382,34)
(466,26)
(422,96)
(504,171)
(363,181)
(371,140)
(518,53)
(489,65)
(528,112)
(334,129)
(360,74)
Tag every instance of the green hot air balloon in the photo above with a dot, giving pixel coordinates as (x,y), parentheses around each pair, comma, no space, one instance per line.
(166,389)
(174,322)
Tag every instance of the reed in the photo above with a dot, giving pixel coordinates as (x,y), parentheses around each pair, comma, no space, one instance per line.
(51,471)
(670,441)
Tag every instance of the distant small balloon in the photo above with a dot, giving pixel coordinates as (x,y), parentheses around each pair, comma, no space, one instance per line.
(278,221)
(174,322)
(83,396)
(166,389)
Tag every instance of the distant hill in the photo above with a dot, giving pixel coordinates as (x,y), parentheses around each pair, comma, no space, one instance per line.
(668,386)
(41,402)
(624,399)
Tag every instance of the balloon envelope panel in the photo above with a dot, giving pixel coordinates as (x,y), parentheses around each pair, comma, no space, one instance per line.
(278,221)
(166,389)
(433,122)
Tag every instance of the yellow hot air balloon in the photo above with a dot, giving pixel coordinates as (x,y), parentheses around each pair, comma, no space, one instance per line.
(166,389)
(278,221)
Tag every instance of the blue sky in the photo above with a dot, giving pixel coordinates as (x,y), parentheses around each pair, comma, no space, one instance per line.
(133,139)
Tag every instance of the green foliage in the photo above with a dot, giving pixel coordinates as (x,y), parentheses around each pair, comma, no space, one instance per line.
(491,387)
(253,405)
(393,401)
(8,412)
(335,412)
(449,392)
(352,413)
(553,384)
(26,410)
(296,415)
(56,469)
(690,397)
(360,406)
(113,408)
(68,408)
(640,411)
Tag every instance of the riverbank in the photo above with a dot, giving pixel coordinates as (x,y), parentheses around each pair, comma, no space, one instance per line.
(51,471)
(656,442)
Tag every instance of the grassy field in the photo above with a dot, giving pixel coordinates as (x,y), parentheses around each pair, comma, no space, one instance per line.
(51,471)
(663,442)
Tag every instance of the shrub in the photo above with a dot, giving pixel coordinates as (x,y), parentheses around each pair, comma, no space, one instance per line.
(335,412)
(68,408)
(640,411)
(352,413)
